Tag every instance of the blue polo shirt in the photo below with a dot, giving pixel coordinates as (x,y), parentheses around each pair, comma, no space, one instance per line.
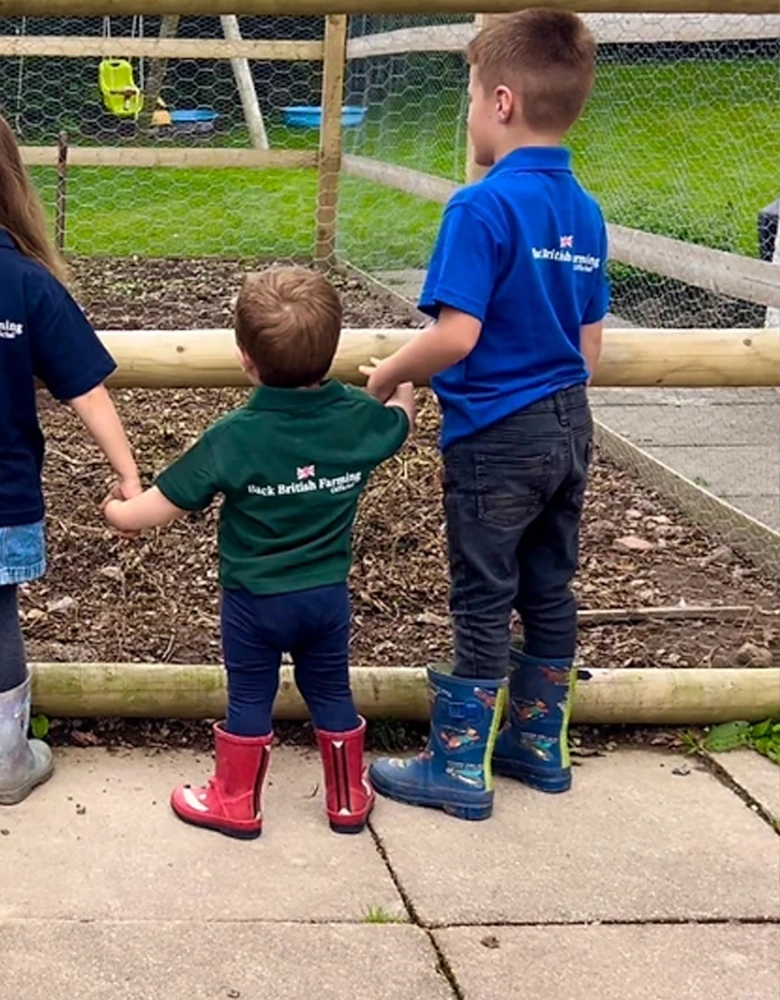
(43,335)
(524,251)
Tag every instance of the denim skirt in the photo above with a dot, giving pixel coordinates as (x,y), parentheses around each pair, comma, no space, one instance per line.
(22,553)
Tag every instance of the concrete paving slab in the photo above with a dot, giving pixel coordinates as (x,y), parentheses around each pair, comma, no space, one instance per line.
(724,468)
(100,841)
(762,507)
(670,424)
(757,775)
(632,841)
(727,440)
(682,962)
(44,960)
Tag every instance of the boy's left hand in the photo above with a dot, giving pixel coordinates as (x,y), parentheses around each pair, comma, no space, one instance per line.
(380,384)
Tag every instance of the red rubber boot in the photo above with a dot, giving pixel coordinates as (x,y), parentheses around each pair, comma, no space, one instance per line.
(350,797)
(232,801)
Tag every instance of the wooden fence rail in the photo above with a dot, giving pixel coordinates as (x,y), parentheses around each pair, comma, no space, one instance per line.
(171,156)
(95,8)
(632,357)
(719,272)
(82,46)
(609,29)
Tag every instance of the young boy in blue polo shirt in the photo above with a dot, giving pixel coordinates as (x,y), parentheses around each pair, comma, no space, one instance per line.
(518,289)
(291,466)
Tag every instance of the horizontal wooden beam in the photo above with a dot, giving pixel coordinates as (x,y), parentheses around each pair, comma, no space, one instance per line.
(723,273)
(93,8)
(179,691)
(172,156)
(609,29)
(632,357)
(81,46)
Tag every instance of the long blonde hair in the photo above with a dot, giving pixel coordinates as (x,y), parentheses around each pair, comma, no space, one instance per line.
(21,213)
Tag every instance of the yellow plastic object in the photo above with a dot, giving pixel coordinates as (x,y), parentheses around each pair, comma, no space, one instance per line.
(121,97)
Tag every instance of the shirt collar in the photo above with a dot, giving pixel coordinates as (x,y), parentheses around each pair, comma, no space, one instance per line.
(6,240)
(266,397)
(543,158)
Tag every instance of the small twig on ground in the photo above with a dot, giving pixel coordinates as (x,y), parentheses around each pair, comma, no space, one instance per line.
(631,616)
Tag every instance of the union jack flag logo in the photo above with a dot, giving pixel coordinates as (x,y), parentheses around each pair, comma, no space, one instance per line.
(306,472)
(567,242)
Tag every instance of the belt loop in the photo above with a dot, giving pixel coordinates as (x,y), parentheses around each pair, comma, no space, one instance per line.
(561,408)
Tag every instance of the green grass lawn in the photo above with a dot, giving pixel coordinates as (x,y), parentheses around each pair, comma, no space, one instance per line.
(684,149)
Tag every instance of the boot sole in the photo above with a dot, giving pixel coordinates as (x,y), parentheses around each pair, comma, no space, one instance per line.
(540,782)
(225,831)
(352,828)
(474,813)
(13,798)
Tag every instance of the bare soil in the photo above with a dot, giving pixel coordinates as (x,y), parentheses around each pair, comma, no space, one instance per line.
(157,598)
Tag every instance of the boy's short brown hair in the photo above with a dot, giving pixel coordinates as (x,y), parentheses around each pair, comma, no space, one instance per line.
(288,322)
(549,56)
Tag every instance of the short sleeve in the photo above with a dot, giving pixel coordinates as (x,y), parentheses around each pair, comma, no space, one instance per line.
(598,304)
(68,356)
(464,266)
(382,429)
(391,429)
(193,480)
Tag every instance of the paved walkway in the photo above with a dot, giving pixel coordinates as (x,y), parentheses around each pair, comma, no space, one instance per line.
(725,440)
(652,880)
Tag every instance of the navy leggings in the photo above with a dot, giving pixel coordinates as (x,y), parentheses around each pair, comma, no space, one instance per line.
(311,625)
(13,667)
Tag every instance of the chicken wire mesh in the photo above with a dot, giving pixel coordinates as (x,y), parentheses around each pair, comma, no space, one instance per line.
(680,138)
(109,103)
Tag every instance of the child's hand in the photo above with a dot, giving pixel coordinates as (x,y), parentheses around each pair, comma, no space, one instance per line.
(112,511)
(380,382)
(124,489)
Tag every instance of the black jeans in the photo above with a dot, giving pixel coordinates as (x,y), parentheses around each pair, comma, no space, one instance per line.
(513,496)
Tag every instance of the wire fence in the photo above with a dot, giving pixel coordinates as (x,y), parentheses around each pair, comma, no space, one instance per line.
(681,138)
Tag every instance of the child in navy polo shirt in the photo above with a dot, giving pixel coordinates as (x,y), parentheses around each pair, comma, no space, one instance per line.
(45,336)
(291,466)
(518,289)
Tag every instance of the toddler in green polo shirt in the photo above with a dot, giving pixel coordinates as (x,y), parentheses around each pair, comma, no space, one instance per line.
(291,466)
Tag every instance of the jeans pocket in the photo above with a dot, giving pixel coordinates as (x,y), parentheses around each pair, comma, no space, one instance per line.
(511,489)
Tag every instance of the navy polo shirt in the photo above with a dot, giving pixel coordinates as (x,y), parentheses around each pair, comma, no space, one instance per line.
(43,335)
(524,251)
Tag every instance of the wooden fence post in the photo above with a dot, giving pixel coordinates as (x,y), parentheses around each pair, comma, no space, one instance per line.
(155,78)
(330,136)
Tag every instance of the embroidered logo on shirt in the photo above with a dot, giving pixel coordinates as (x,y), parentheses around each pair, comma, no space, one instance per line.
(10,330)
(309,482)
(563,255)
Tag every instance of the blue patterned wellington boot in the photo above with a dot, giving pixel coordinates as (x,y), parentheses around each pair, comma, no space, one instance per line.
(453,772)
(533,745)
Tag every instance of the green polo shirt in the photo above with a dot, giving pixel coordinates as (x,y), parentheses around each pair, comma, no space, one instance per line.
(291,466)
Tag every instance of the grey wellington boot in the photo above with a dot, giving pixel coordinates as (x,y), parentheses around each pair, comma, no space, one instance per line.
(23,763)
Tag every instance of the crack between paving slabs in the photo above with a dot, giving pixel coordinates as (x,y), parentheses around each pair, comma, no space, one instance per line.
(724,776)
(617,922)
(443,966)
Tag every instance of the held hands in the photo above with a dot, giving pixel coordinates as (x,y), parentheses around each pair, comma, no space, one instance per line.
(124,489)
(381,384)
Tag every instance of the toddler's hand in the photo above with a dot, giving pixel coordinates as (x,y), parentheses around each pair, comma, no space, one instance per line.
(378,384)
(111,508)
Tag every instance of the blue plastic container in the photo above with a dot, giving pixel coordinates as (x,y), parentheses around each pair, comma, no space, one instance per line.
(310,116)
(196,120)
